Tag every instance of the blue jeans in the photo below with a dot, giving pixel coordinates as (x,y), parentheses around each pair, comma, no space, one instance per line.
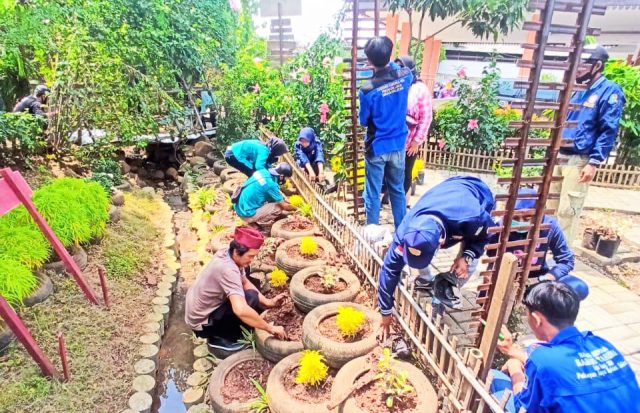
(390,168)
(501,383)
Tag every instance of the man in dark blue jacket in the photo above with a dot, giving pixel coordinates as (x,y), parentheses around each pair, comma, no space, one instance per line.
(309,154)
(556,243)
(456,210)
(598,118)
(383,110)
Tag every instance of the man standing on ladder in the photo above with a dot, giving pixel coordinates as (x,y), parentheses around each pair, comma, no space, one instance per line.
(591,140)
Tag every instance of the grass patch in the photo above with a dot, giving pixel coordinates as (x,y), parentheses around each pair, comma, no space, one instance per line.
(128,244)
(101,344)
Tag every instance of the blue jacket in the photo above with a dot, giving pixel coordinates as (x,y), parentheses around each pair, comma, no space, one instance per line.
(251,152)
(259,189)
(578,372)
(557,243)
(383,110)
(598,120)
(312,153)
(464,205)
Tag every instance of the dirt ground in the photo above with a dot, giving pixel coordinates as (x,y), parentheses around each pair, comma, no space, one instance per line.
(101,343)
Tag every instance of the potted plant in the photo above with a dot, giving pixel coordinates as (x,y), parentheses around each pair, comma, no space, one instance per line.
(608,242)
(390,385)
(341,331)
(318,285)
(300,383)
(230,387)
(296,225)
(299,253)
(287,316)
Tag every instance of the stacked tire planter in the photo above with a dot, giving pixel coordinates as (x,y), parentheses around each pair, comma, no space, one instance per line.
(144,384)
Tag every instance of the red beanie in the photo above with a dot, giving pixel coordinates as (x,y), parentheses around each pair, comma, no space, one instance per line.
(249,237)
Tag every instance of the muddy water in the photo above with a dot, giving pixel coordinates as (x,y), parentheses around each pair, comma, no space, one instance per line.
(175,359)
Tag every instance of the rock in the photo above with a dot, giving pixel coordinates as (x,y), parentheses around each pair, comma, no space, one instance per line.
(160,301)
(148,191)
(201,351)
(117,198)
(133,168)
(157,174)
(143,173)
(180,179)
(197,160)
(150,338)
(141,402)
(160,185)
(144,383)
(193,395)
(203,365)
(200,408)
(197,378)
(149,351)
(125,167)
(145,366)
(201,149)
(114,214)
(172,173)
(151,327)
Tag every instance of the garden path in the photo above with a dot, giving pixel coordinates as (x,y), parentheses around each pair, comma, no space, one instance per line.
(611,310)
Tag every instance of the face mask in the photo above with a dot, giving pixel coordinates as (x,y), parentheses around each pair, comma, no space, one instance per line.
(516,224)
(586,78)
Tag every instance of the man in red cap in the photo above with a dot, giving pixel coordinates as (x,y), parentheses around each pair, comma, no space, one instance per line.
(222,299)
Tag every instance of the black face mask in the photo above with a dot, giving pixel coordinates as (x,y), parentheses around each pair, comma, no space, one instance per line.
(587,77)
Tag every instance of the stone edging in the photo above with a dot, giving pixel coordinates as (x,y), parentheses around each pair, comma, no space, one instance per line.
(203,366)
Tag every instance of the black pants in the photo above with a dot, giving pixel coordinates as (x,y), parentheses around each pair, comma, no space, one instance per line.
(224,323)
(235,163)
(409,161)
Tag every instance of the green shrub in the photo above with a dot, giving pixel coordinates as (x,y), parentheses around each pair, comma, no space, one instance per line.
(22,243)
(76,210)
(106,172)
(16,281)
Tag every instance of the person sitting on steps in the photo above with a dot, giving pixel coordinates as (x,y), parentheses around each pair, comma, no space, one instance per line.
(260,201)
(222,299)
(251,155)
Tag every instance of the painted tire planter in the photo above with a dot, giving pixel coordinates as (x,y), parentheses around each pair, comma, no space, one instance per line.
(221,240)
(217,380)
(231,185)
(219,166)
(277,230)
(338,353)
(291,265)
(44,291)
(272,348)
(6,337)
(427,399)
(78,254)
(280,400)
(306,299)
(230,173)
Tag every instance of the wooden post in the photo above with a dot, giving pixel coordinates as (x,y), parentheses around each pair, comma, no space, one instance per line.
(500,303)
(391,28)
(405,38)
(527,54)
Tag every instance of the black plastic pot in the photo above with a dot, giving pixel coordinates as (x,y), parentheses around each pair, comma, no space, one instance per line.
(608,247)
(420,178)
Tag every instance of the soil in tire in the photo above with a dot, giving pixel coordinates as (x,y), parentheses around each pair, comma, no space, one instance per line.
(329,329)
(289,317)
(371,398)
(237,383)
(319,393)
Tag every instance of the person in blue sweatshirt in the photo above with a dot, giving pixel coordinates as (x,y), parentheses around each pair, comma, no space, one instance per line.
(383,109)
(251,155)
(556,243)
(458,210)
(309,154)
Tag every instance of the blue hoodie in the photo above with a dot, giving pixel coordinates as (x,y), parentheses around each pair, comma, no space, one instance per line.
(312,153)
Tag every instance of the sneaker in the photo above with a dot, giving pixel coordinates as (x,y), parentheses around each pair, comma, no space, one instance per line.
(221,343)
(423,284)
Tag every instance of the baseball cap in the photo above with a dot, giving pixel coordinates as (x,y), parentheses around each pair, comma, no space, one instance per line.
(421,240)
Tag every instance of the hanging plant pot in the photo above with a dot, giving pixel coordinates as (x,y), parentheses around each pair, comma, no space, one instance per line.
(231,173)
(221,240)
(294,226)
(608,247)
(285,396)
(230,390)
(78,254)
(308,291)
(219,166)
(371,398)
(44,291)
(319,332)
(6,337)
(590,238)
(290,319)
(290,260)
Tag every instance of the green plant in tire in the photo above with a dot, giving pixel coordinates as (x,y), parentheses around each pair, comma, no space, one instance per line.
(311,368)
(22,243)
(306,210)
(248,338)
(106,172)
(329,277)
(349,320)
(202,198)
(261,404)
(395,383)
(17,282)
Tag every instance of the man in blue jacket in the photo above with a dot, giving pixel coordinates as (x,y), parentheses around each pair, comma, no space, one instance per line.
(309,154)
(251,155)
(598,117)
(456,210)
(556,243)
(383,110)
(569,371)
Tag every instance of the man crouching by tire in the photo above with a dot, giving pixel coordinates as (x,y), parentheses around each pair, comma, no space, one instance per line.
(222,299)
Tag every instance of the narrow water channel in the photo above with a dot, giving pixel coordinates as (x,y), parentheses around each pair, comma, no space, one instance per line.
(175,359)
